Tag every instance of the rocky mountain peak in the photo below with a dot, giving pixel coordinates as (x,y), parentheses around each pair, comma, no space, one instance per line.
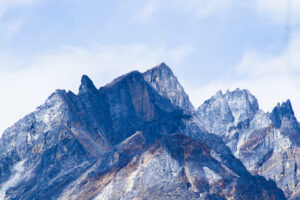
(86,85)
(163,66)
(219,94)
(283,118)
(215,113)
(162,79)
(243,104)
(236,107)
(281,111)
(284,109)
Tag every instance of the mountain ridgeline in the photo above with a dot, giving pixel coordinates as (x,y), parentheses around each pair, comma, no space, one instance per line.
(139,137)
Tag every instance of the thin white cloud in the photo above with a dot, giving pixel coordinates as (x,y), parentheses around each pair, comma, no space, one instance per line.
(279,11)
(5,5)
(23,90)
(259,64)
(10,28)
(203,8)
(197,8)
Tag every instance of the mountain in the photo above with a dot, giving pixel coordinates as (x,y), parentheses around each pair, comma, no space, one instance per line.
(266,143)
(137,137)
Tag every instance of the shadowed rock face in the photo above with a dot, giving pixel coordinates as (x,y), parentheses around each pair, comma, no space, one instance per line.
(283,118)
(135,106)
(266,143)
(135,138)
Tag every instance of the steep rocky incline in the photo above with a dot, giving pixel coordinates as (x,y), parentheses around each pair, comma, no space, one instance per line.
(174,167)
(137,137)
(266,143)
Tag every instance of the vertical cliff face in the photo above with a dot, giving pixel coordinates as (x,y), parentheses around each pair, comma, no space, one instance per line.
(135,106)
(266,143)
(137,137)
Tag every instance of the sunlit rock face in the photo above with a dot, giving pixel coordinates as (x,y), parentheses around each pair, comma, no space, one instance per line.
(162,79)
(137,137)
(266,143)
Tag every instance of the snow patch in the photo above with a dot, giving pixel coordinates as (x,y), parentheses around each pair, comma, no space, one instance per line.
(14,180)
(211,176)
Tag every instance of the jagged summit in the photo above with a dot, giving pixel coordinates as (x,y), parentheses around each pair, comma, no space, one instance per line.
(86,85)
(283,118)
(162,79)
(284,109)
(283,112)
(236,107)
(162,66)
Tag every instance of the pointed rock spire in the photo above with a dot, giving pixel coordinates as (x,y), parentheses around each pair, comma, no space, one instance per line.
(87,86)
(283,110)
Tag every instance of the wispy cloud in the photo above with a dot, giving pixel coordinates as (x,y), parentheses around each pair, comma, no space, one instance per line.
(279,11)
(199,9)
(203,8)
(5,5)
(10,28)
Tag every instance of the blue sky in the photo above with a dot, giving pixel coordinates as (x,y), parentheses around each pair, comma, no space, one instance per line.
(209,44)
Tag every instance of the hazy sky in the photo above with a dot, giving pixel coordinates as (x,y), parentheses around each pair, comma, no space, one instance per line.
(209,44)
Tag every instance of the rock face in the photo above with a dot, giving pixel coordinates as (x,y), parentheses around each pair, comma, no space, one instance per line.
(162,79)
(266,143)
(136,138)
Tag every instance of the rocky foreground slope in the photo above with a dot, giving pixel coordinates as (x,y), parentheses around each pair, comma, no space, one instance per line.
(139,137)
